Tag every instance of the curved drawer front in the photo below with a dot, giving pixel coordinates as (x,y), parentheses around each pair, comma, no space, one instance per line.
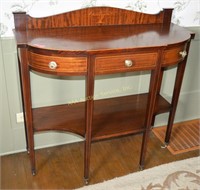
(174,55)
(125,62)
(57,65)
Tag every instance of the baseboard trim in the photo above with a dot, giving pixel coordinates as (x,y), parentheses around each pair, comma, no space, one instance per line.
(41,147)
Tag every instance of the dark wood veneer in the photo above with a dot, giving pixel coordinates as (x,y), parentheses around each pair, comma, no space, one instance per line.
(122,115)
(95,16)
(97,41)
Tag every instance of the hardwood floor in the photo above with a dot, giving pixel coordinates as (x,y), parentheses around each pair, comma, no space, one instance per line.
(61,167)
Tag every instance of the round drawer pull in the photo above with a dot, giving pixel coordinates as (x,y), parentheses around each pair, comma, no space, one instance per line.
(128,63)
(183,54)
(53,65)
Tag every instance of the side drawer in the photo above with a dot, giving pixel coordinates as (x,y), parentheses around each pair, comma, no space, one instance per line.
(57,65)
(174,55)
(125,62)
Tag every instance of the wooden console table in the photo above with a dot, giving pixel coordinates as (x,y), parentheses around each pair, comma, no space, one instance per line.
(99,41)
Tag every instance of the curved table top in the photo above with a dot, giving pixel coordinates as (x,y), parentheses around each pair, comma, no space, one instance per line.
(103,38)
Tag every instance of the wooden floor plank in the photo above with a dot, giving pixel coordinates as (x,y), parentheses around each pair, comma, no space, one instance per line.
(61,167)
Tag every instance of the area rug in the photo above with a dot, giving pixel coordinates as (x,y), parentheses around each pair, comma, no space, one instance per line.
(179,175)
(185,136)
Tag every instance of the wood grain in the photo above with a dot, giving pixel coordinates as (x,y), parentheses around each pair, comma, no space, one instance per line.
(94,16)
(116,63)
(61,167)
(65,65)
(112,117)
(105,39)
(172,55)
(84,40)
(185,136)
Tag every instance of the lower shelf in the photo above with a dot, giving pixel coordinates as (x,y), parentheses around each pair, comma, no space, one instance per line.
(112,117)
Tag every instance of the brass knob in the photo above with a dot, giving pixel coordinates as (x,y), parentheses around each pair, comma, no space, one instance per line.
(53,65)
(128,63)
(183,53)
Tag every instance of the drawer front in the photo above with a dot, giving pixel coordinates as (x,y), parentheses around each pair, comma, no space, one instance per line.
(56,65)
(174,55)
(125,62)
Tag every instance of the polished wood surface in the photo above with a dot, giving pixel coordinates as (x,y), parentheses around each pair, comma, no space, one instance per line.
(61,167)
(27,103)
(172,55)
(64,65)
(117,63)
(154,30)
(97,41)
(96,16)
(112,117)
(102,38)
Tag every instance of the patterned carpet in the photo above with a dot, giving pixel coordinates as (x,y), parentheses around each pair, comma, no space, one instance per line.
(185,136)
(179,175)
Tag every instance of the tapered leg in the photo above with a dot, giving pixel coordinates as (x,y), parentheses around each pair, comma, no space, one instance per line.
(89,117)
(23,104)
(89,113)
(176,93)
(153,90)
(143,149)
(148,119)
(27,106)
(158,92)
(31,150)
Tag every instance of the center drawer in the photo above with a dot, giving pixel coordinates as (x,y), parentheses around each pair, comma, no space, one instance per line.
(57,65)
(125,62)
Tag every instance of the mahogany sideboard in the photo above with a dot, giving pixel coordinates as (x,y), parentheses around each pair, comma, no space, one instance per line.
(100,41)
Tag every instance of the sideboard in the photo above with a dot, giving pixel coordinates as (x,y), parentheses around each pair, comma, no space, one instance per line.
(99,41)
